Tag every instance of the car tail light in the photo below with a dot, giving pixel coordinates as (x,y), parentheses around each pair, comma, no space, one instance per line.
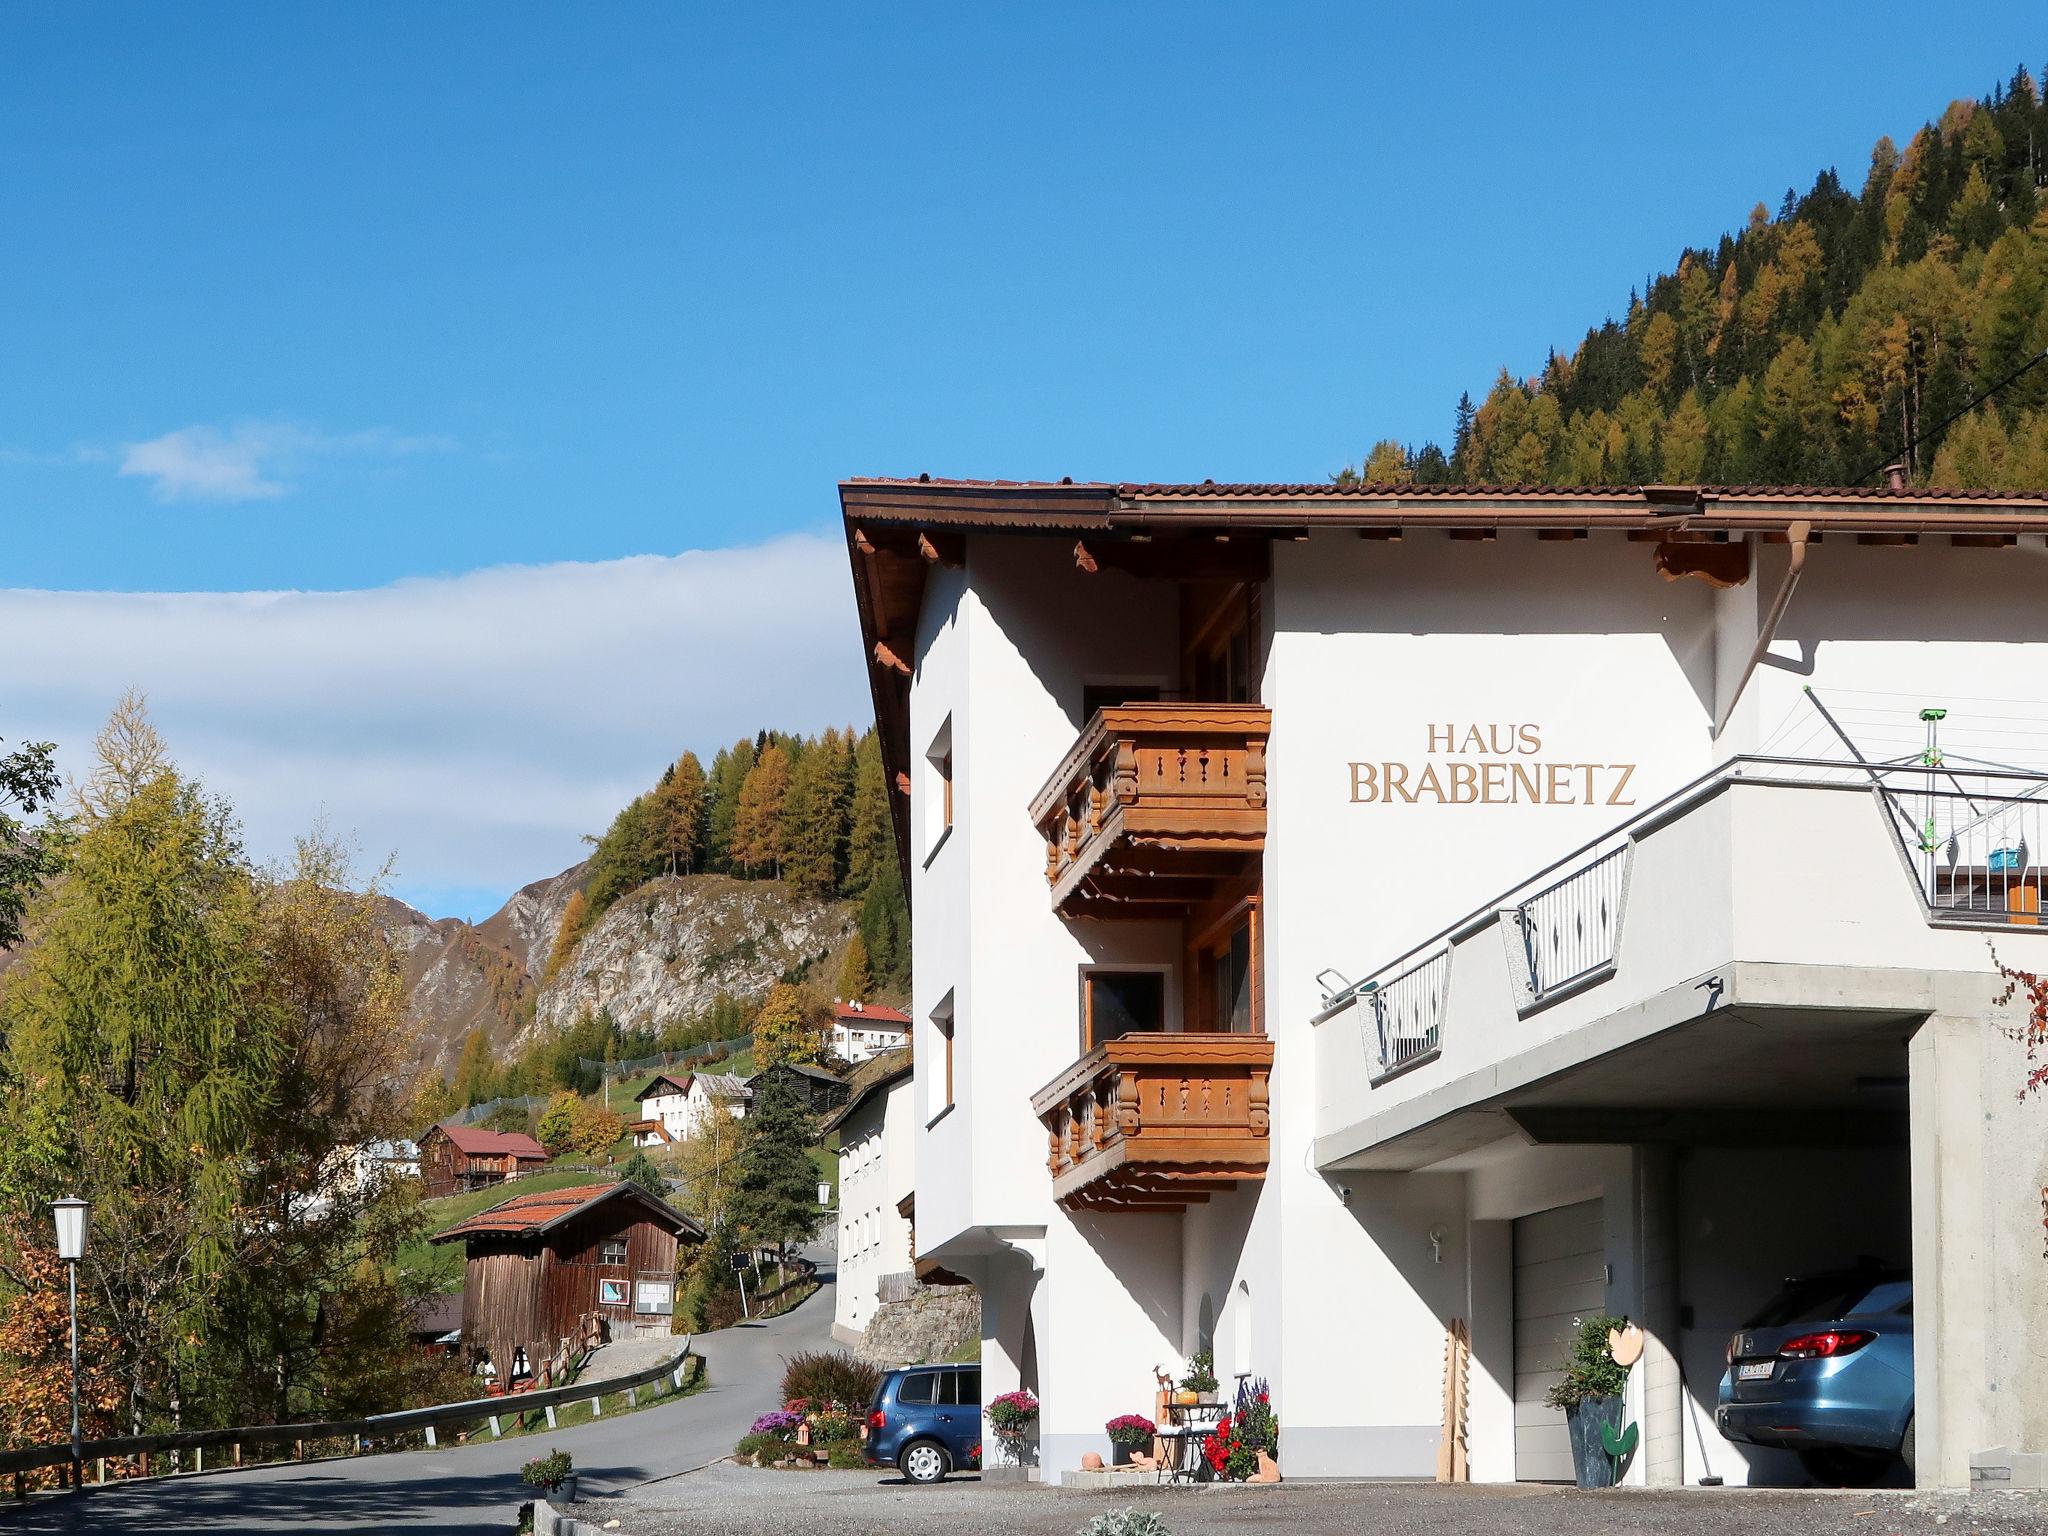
(878,1420)
(1825,1345)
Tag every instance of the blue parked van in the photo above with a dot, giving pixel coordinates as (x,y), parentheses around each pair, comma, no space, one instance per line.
(926,1421)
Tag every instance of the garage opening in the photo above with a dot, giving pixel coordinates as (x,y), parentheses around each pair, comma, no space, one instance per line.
(1560,1264)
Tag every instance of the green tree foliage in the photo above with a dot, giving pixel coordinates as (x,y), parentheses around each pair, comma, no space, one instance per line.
(28,855)
(885,929)
(639,1169)
(1813,345)
(816,815)
(775,1194)
(194,1045)
(557,1128)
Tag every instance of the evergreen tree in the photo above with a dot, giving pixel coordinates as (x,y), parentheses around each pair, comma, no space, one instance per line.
(871,839)
(814,816)
(775,1194)
(639,1170)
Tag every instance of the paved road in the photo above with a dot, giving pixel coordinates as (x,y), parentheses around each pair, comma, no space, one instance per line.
(473,1487)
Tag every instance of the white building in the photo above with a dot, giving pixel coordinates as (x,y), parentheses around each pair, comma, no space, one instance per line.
(1669,999)
(862,1031)
(876,1178)
(679,1106)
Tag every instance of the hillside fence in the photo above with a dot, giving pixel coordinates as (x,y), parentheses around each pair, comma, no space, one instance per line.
(662,1060)
(528,1102)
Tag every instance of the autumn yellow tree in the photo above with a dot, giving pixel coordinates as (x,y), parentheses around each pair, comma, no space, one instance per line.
(783,1029)
(757,838)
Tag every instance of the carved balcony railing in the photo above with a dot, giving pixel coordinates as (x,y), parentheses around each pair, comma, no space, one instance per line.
(1152,805)
(1157,1121)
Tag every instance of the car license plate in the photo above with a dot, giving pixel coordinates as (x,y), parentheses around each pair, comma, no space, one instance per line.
(1754,1370)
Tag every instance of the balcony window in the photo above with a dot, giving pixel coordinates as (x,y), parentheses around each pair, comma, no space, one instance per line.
(1226,961)
(1119,1003)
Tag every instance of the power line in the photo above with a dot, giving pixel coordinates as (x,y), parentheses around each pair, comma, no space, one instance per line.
(1951,419)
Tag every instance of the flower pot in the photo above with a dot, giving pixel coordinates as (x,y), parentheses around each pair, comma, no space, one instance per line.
(1206,1397)
(563,1492)
(1591,1464)
(1120,1454)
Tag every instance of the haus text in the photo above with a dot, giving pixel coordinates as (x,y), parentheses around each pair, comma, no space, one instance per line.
(1489,765)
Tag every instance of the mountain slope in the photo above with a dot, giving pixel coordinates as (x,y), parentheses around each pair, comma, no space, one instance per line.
(1813,346)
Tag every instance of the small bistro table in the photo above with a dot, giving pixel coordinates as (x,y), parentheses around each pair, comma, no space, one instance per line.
(1187,1426)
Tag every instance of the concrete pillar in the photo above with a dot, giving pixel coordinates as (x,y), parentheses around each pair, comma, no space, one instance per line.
(1663,1399)
(1951,1269)
(1490,1312)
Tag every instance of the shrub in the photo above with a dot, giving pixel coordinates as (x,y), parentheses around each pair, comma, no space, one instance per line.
(833,1425)
(830,1377)
(722,1310)
(845,1455)
(1589,1370)
(1125,1522)
(761,1449)
(549,1471)
(1132,1429)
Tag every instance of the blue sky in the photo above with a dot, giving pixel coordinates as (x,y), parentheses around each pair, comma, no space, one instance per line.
(327,298)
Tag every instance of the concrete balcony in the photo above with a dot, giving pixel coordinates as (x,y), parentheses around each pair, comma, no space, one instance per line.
(1738,963)
(1152,806)
(1157,1121)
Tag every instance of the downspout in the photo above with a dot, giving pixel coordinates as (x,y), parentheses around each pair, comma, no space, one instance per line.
(1797,536)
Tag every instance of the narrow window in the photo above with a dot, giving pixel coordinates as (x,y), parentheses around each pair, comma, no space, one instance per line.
(612,1251)
(938,787)
(942,1032)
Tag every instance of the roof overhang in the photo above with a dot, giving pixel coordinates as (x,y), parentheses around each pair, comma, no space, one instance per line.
(897,529)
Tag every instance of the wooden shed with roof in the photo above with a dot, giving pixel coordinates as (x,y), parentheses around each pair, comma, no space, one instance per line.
(560,1264)
(455,1158)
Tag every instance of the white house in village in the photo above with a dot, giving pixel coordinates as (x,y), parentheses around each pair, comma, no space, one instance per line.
(876,1128)
(862,1031)
(1349,915)
(674,1108)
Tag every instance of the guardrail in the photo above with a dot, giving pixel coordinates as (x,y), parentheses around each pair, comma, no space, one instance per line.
(1408,1013)
(1571,928)
(360,1431)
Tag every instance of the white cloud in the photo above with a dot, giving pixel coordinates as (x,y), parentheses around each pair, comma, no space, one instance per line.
(248,461)
(476,725)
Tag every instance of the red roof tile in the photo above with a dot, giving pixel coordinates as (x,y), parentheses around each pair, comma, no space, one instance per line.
(546,1208)
(869,1013)
(478,1142)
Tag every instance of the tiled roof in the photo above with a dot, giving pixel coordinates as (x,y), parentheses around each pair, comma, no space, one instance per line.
(868,1013)
(725,1085)
(550,1207)
(478,1142)
(871,1077)
(1379,490)
(655,1085)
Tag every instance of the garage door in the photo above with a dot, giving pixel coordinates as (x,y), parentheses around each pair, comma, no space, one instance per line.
(1560,1275)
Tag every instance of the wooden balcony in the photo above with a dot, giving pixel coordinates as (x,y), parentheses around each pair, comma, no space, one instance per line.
(1157,1121)
(1152,806)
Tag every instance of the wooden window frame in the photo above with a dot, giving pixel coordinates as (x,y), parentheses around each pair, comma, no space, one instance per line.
(1211,925)
(945,1024)
(605,1247)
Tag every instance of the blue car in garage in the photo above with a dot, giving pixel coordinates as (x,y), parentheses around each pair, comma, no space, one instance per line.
(1826,1371)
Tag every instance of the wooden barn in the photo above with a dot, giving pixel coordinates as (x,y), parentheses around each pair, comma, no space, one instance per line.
(821,1091)
(454,1158)
(559,1264)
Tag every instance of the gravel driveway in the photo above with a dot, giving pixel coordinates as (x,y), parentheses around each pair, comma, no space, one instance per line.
(738,1501)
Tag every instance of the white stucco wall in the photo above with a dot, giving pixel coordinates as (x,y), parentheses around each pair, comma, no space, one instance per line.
(876,1169)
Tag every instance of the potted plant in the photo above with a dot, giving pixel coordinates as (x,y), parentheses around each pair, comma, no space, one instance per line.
(1012,1415)
(1128,1432)
(553,1474)
(1245,1443)
(1590,1395)
(1201,1376)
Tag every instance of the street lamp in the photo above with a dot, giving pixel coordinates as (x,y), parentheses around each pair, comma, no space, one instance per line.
(70,1215)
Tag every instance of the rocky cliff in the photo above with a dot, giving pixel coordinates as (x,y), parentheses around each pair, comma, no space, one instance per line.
(671,947)
(666,951)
